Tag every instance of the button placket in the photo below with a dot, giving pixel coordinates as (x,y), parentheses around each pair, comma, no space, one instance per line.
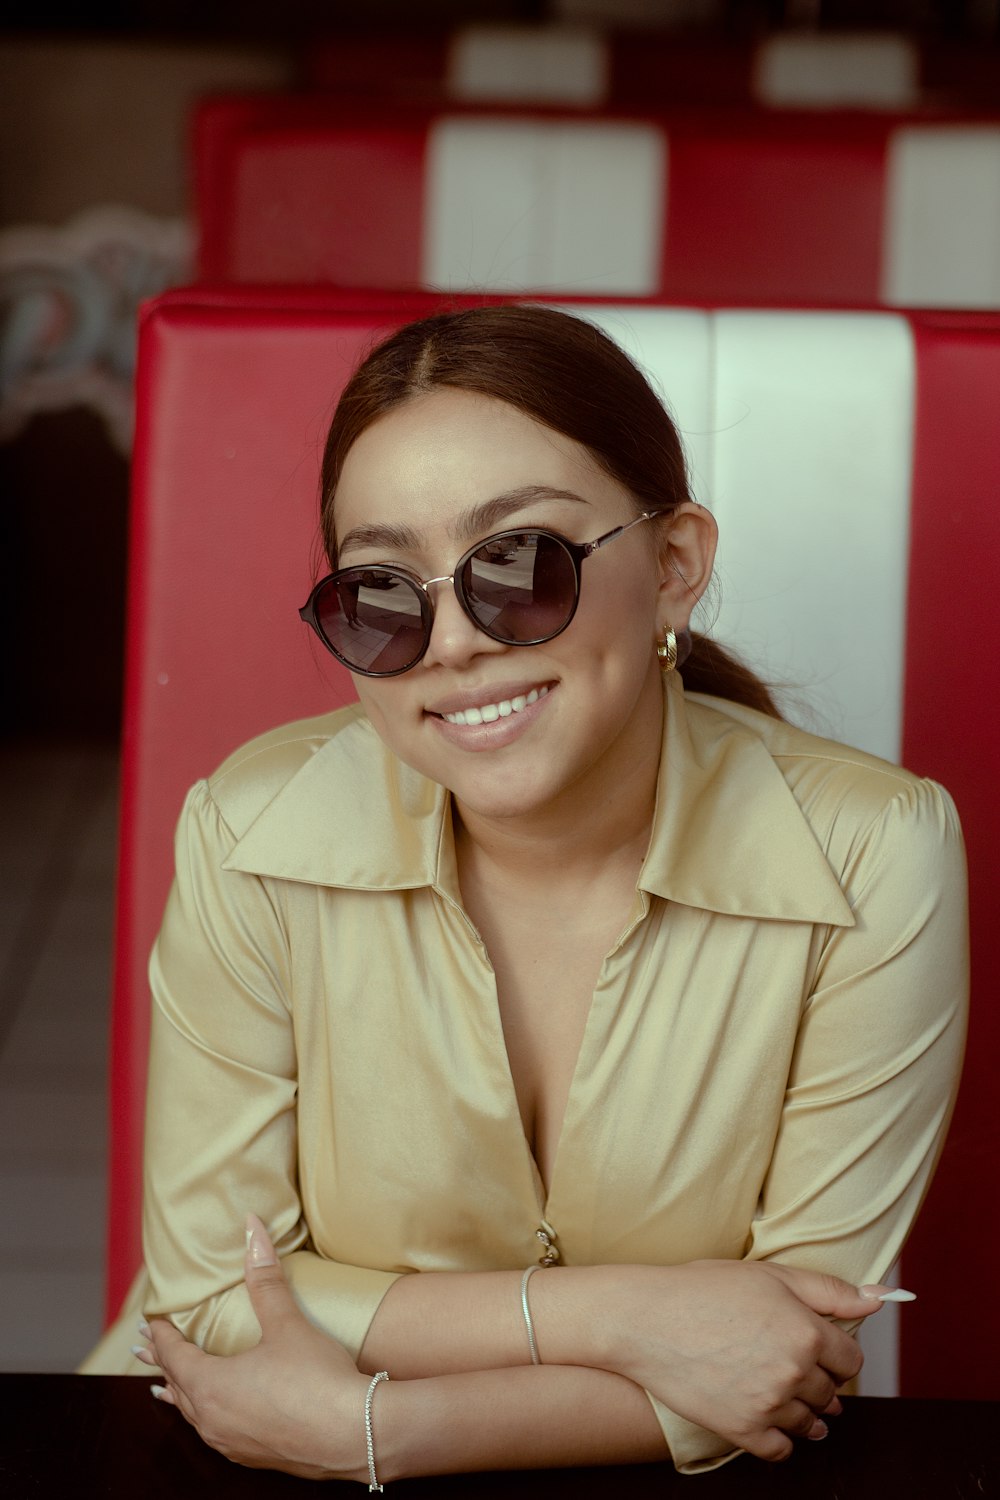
(546,1236)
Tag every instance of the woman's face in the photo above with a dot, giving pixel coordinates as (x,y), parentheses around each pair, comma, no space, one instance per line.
(420,487)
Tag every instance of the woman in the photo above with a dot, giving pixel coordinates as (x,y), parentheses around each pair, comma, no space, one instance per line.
(538,953)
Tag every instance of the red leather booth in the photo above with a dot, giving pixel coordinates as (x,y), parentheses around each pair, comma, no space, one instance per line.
(812,207)
(234,393)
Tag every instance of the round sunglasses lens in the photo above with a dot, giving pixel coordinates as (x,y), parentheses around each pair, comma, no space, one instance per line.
(374,620)
(521,587)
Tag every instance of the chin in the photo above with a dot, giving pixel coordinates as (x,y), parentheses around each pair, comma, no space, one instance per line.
(506,797)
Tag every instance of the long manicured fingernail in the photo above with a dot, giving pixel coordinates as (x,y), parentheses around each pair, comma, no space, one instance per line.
(260,1251)
(887,1294)
(145,1329)
(141,1352)
(818,1432)
(158,1392)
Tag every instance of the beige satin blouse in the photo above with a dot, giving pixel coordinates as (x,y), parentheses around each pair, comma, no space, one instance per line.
(767,1070)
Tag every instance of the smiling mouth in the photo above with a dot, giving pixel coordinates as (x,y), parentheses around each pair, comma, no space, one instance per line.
(488,713)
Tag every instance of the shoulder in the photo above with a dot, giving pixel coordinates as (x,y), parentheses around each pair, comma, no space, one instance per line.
(848,797)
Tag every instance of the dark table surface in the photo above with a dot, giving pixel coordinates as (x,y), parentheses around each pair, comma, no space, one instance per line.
(88,1436)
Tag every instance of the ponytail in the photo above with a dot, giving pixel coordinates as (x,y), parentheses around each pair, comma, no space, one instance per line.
(711,669)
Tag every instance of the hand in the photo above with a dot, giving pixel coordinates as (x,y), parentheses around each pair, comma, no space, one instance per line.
(743,1348)
(294,1402)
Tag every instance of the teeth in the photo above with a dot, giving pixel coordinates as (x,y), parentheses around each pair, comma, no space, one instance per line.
(488,713)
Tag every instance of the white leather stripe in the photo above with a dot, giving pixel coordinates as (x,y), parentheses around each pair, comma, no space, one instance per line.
(941,242)
(554,64)
(813,423)
(531,205)
(879,1340)
(821,72)
(798,428)
(674,349)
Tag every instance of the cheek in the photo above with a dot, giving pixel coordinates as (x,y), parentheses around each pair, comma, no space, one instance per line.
(619,614)
(377,704)
(392,713)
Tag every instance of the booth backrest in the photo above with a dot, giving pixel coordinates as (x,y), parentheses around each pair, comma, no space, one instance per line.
(852,459)
(587,66)
(815,208)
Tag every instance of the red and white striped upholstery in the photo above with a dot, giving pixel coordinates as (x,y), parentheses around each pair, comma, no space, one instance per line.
(853,461)
(598,67)
(817,208)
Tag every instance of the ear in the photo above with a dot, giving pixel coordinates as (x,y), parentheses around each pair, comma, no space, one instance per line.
(687,556)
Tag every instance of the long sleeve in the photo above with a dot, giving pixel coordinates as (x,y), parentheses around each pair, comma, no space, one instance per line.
(221,1134)
(875,1071)
(875,1067)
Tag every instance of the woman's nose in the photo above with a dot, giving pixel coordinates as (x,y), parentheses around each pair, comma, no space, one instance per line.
(454,639)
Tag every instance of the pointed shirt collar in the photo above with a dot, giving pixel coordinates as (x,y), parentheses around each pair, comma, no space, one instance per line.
(728,835)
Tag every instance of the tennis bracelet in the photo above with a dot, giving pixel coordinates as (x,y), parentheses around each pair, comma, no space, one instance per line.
(369,1442)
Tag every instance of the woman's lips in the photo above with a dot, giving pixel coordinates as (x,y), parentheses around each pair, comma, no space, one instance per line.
(502,708)
(491,723)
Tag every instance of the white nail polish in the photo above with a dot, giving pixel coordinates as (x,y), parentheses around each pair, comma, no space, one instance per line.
(158,1391)
(897,1295)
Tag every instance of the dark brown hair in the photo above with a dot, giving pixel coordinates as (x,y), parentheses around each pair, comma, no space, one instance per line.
(563,372)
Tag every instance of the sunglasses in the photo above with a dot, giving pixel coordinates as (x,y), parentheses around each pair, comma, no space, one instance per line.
(518,587)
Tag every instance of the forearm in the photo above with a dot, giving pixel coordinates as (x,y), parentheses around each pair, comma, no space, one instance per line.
(526,1418)
(448,1323)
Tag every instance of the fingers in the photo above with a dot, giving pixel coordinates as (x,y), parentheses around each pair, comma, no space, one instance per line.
(146,1356)
(833,1298)
(260,1251)
(177,1358)
(772,1445)
(168,1340)
(839,1354)
(880,1294)
(818,1391)
(795,1420)
(270,1294)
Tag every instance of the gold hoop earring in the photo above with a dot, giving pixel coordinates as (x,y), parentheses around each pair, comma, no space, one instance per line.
(674,649)
(666,649)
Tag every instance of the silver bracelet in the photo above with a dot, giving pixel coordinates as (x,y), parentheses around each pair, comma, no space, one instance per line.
(369,1444)
(527,1314)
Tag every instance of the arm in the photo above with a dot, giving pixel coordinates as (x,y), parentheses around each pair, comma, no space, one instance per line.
(871,1087)
(221,1113)
(296,1402)
(875,1072)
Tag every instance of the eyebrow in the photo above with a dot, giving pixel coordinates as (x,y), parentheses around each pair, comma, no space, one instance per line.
(478,520)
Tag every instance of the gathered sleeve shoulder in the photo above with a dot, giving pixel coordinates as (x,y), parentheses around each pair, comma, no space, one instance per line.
(221,1136)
